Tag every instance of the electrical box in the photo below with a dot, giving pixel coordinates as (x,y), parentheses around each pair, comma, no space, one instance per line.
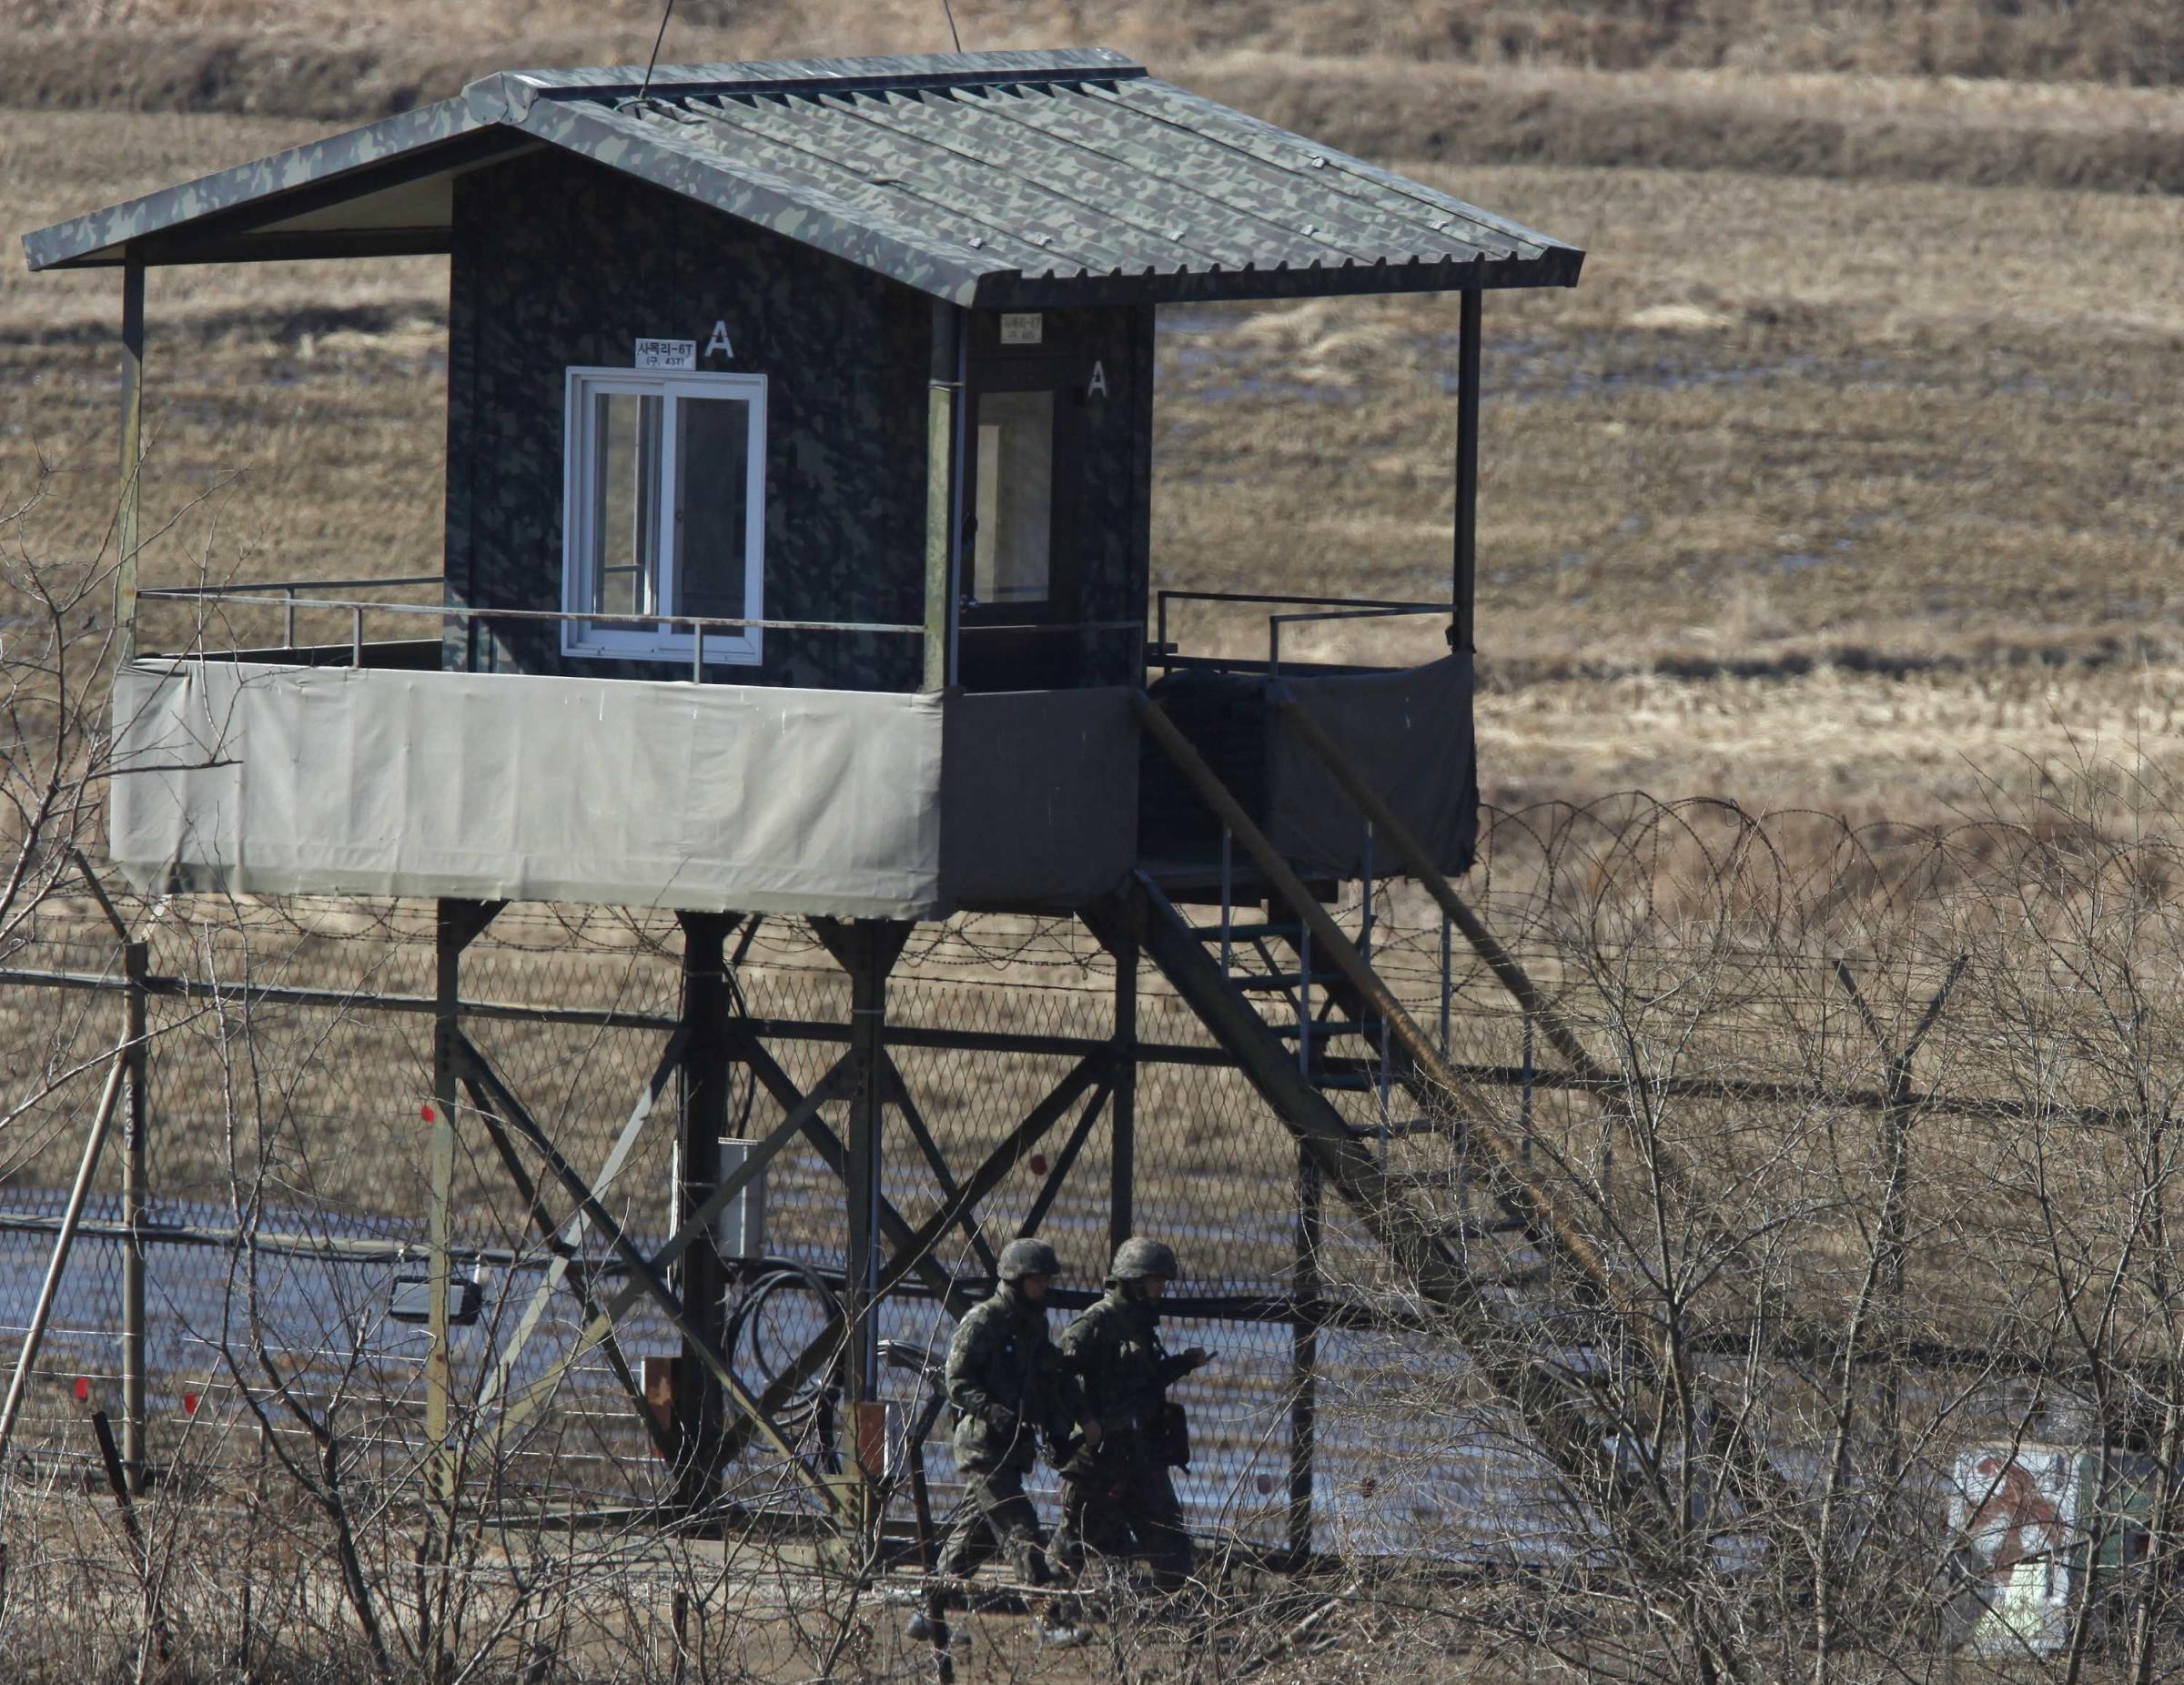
(740,1231)
(412,1300)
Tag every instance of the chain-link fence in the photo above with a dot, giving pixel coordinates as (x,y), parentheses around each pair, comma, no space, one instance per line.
(1768,1006)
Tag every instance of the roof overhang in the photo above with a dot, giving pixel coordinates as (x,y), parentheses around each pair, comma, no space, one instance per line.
(714,133)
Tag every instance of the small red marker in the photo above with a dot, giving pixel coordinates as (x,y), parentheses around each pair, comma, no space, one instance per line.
(1038,1163)
(83,1390)
(1266,1484)
(189,1407)
(425,1111)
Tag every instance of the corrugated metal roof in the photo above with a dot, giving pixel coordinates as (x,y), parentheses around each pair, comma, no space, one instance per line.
(1034,178)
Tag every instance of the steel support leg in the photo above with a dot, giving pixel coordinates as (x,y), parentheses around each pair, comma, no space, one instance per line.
(1122,1118)
(877,945)
(866,949)
(701,1280)
(455,925)
(647,1280)
(598,1330)
(126,525)
(1464,586)
(914,1247)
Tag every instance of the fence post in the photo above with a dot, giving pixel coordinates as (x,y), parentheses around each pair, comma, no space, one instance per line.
(135,1211)
(1122,1118)
(1304,1358)
(1898,1112)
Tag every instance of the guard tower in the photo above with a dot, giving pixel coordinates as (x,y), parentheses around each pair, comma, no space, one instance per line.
(799,461)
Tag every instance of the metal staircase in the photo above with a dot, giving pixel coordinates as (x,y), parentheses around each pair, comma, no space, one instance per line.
(1344,1048)
(1502,1258)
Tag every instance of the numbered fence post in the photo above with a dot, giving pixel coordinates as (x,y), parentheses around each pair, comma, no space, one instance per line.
(136,1199)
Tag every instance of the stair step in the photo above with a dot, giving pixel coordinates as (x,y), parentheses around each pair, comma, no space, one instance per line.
(1477,1180)
(1394,1131)
(1359,1073)
(1471,1228)
(1516,1279)
(1350,1065)
(1322,1030)
(1251,980)
(1247,933)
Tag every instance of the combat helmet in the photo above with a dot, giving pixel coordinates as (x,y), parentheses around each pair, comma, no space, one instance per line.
(1020,1258)
(1137,1258)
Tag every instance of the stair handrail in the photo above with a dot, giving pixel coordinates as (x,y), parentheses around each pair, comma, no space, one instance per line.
(1556,1224)
(1569,1235)
(1416,859)
(1668,1165)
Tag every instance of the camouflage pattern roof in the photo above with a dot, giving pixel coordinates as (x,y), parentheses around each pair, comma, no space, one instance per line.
(1039,179)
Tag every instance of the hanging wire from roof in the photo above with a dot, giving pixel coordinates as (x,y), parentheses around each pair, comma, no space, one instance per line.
(652,63)
(948,11)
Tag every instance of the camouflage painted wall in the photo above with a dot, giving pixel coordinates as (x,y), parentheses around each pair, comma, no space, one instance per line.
(1099,363)
(560,262)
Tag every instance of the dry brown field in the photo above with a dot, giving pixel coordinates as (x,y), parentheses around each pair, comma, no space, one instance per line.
(1844,481)
(1843,492)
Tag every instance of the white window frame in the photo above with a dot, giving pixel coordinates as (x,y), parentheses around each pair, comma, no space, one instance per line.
(739,647)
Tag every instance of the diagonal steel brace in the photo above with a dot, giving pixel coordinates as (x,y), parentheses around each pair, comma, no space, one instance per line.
(914,1247)
(829,1086)
(566,1241)
(645,1277)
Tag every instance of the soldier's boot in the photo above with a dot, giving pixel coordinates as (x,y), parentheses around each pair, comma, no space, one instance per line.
(931,1625)
(1052,1627)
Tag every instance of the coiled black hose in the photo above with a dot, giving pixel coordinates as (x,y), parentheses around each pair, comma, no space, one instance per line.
(814,1408)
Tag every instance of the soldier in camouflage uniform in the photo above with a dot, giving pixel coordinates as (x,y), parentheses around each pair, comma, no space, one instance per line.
(1008,1385)
(1115,1490)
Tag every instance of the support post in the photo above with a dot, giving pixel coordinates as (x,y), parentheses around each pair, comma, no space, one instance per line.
(455,925)
(126,522)
(135,1210)
(866,949)
(1461,635)
(943,503)
(1122,1119)
(1304,1358)
(64,1241)
(700,1280)
(1893,1240)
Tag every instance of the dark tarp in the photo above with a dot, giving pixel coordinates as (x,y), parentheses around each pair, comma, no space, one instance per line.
(1408,733)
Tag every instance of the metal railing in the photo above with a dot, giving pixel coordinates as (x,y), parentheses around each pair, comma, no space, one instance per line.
(287,595)
(283,595)
(1163,652)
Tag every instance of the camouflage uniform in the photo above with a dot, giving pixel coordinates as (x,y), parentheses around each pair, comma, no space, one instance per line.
(1119,1494)
(1007,1383)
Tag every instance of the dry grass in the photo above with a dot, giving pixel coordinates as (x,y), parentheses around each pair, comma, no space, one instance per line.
(2131,41)
(1799,456)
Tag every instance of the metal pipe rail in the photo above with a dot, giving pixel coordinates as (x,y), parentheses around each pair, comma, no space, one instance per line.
(287,590)
(697,623)
(456,612)
(1162,652)
(1275,622)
